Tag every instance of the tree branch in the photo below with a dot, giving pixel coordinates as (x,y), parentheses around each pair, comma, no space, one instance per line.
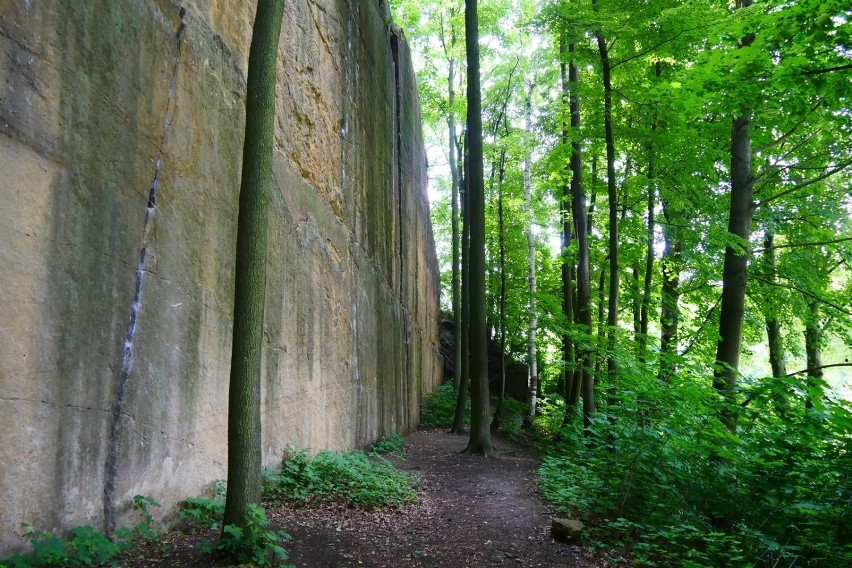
(813,244)
(802,291)
(803,371)
(840,167)
(827,69)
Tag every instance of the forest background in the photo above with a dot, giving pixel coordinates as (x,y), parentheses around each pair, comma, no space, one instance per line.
(668,245)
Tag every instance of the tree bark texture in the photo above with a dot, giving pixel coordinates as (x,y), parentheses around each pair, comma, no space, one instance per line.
(735,268)
(454,173)
(532,356)
(244,428)
(813,354)
(480,432)
(670,297)
(463,334)
(612,303)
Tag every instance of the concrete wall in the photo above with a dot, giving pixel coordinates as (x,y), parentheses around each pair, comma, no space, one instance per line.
(115,319)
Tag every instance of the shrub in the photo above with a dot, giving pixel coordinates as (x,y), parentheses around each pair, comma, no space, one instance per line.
(439,408)
(84,546)
(255,543)
(395,444)
(202,512)
(351,477)
(658,475)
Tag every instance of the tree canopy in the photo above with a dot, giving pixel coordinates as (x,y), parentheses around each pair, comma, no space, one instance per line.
(681,170)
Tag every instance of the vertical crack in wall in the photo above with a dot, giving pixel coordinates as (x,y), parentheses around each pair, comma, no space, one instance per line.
(113,447)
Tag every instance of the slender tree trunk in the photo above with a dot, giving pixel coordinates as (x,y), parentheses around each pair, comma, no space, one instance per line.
(498,413)
(570,373)
(454,173)
(244,427)
(813,341)
(463,335)
(777,359)
(649,251)
(669,311)
(532,356)
(600,342)
(612,304)
(480,433)
(735,268)
(632,280)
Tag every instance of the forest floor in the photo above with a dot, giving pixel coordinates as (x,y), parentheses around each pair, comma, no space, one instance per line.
(472,512)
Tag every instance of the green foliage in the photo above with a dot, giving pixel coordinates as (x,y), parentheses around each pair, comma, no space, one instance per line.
(351,477)
(396,443)
(440,406)
(512,420)
(549,415)
(84,546)
(661,477)
(255,543)
(203,512)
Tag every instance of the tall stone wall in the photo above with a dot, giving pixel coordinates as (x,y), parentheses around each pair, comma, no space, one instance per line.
(121,127)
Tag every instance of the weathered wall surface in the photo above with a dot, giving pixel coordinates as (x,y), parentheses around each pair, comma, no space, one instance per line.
(97,99)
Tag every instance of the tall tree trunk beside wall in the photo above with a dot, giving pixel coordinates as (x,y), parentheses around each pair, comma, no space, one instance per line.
(735,268)
(244,427)
(463,335)
(454,173)
(480,415)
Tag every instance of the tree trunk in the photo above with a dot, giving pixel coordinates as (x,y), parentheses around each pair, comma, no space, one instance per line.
(463,335)
(612,303)
(813,341)
(570,374)
(532,356)
(773,324)
(480,433)
(669,311)
(244,428)
(581,227)
(454,173)
(649,252)
(735,268)
(498,413)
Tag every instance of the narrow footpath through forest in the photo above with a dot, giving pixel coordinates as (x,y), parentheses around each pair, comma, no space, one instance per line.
(473,512)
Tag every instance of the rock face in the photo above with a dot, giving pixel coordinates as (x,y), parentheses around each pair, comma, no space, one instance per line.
(121,130)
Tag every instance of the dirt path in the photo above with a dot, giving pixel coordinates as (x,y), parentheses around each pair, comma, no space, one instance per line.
(474,512)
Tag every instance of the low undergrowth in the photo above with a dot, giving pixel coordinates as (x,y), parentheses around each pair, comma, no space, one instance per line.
(395,444)
(84,545)
(355,478)
(257,543)
(439,408)
(664,481)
